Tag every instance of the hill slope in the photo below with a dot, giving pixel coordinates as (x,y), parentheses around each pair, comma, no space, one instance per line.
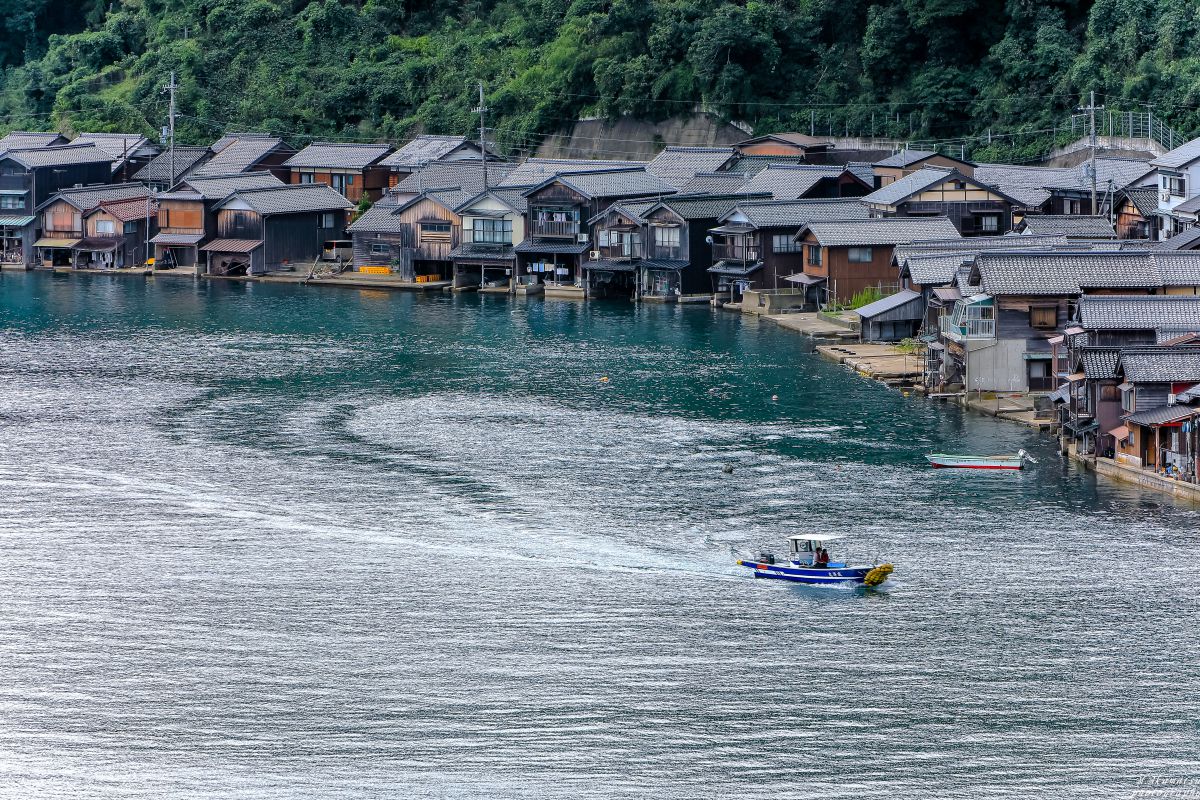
(375,68)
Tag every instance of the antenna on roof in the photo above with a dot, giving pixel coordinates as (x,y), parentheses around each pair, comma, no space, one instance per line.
(481,110)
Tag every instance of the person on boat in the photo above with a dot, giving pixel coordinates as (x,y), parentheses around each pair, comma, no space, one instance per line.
(821,558)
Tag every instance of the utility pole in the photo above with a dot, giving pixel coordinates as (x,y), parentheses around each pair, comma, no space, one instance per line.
(481,110)
(1092,109)
(170,89)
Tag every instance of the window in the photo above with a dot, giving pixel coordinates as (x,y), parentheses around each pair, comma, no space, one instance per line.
(1043,317)
(129,227)
(326,220)
(666,242)
(380,249)
(491,231)
(1174,185)
(105,226)
(814,255)
(435,227)
(783,243)
(990,223)
(860,255)
(341,182)
(308,177)
(12,202)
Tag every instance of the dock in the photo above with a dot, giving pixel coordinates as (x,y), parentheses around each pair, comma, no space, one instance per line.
(881,362)
(812,324)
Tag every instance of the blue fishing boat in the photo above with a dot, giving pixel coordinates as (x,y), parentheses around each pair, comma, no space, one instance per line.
(808,561)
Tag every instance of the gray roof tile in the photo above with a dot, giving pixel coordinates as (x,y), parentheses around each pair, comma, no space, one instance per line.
(1160,364)
(1186,240)
(59,155)
(25,139)
(906,158)
(1139,312)
(119,146)
(797,213)
(465,175)
(217,187)
(1029,185)
(713,182)
(677,165)
(1100,363)
(790,181)
(534,171)
(85,198)
(1065,272)
(241,154)
(1144,199)
(899,190)
(878,232)
(338,155)
(378,219)
(627,182)
(1069,225)
(291,199)
(159,168)
(423,149)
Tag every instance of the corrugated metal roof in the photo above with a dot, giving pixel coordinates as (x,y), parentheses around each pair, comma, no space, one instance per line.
(1180,157)
(468,252)
(176,238)
(128,210)
(231,245)
(735,269)
(547,246)
(677,165)
(15,221)
(291,199)
(871,232)
(889,303)
(338,155)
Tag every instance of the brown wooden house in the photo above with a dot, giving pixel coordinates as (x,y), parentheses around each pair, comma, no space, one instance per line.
(116,234)
(185,214)
(62,219)
(414,239)
(974,208)
(906,162)
(353,170)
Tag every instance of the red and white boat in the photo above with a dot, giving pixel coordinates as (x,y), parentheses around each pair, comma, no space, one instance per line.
(1014,461)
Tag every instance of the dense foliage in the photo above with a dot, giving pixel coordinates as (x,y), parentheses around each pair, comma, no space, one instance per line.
(925,69)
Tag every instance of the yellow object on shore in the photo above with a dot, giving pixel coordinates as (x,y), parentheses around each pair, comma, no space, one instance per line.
(877,575)
(374,270)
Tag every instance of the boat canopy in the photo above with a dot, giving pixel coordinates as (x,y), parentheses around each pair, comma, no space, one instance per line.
(814,537)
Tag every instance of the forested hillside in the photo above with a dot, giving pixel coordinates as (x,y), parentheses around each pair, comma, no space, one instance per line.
(389,68)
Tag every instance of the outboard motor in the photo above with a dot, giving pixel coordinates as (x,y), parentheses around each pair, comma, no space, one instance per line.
(766,558)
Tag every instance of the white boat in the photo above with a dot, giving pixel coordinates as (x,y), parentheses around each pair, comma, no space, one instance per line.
(1014,461)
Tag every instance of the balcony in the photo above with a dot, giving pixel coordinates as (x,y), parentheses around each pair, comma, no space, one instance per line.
(734,252)
(549,229)
(631,252)
(960,330)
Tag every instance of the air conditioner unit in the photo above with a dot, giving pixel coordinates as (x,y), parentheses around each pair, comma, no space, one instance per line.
(594,255)
(1165,197)
(1171,399)
(581,238)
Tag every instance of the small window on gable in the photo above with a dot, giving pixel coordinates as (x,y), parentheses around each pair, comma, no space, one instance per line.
(1044,317)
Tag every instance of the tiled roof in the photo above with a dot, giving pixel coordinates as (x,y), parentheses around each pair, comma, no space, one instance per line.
(934,269)
(1121,172)
(889,303)
(752,165)
(465,175)
(1070,225)
(1186,240)
(634,209)
(59,155)
(1162,415)
(339,155)
(1179,157)
(906,158)
(1144,199)
(1029,185)
(702,206)
(422,150)
(119,146)
(715,182)
(25,139)
(677,165)
(790,181)
(791,137)
(509,197)
(863,171)
(1139,312)
(85,198)
(549,246)
(1190,206)
(797,213)
(534,171)
(871,232)
(240,154)
(230,138)
(216,187)
(1100,363)
(1160,364)
(1064,272)
(899,190)
(378,219)
(159,168)
(1177,267)
(291,199)
(628,182)
(128,210)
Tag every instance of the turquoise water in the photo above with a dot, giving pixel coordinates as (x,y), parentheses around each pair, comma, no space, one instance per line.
(274,541)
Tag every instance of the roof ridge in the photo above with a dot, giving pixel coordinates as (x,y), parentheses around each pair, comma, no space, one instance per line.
(55,147)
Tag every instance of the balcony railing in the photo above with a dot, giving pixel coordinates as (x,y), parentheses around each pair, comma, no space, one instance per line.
(621,253)
(967,328)
(569,229)
(731,252)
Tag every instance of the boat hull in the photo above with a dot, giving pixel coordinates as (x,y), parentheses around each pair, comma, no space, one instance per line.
(963,462)
(837,573)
